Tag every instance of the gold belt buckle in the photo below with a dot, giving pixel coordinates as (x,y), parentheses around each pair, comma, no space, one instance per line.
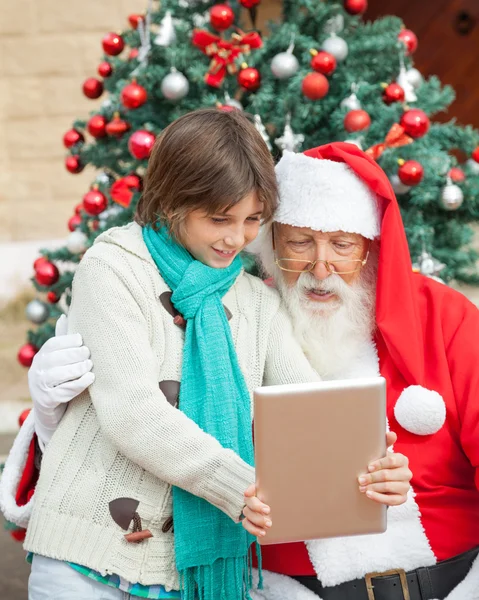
(402,579)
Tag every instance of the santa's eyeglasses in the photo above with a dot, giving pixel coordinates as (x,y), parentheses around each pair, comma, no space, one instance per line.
(343,266)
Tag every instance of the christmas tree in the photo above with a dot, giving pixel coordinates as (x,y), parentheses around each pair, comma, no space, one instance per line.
(320,74)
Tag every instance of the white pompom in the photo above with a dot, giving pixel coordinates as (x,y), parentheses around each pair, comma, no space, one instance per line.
(420,411)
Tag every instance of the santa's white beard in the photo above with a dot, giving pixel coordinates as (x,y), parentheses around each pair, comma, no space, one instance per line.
(332,334)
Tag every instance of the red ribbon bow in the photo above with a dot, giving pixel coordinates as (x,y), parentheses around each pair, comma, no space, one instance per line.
(394,139)
(223,53)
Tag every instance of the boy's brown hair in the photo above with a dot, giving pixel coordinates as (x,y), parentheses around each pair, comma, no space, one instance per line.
(207,159)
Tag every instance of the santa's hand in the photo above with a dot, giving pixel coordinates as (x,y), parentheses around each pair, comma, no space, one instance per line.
(256,519)
(60,371)
(387,480)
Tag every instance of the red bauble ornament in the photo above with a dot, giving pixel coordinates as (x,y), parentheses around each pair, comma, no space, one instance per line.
(221,16)
(72,137)
(141,143)
(39,261)
(356,120)
(123,189)
(23,416)
(112,44)
(355,7)
(117,126)
(52,298)
(415,122)
(475,154)
(78,208)
(323,62)
(134,20)
(94,202)
(133,54)
(97,126)
(105,69)
(93,88)
(411,172)
(457,174)
(393,93)
(19,535)
(249,3)
(315,86)
(249,79)
(26,353)
(74,222)
(73,164)
(409,39)
(46,273)
(133,95)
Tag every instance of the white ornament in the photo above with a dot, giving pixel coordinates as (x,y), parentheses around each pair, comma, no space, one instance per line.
(398,186)
(356,142)
(351,102)
(420,411)
(451,196)
(428,265)
(289,140)
(414,77)
(102,178)
(37,312)
(473,166)
(262,129)
(167,34)
(336,46)
(407,86)
(175,86)
(284,64)
(77,242)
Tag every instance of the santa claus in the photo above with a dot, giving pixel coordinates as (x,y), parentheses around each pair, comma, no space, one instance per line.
(338,254)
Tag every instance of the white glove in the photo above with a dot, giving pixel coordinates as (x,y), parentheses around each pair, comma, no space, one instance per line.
(60,371)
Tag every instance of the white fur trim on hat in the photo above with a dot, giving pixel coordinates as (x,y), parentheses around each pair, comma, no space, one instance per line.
(325,195)
(12,473)
(420,411)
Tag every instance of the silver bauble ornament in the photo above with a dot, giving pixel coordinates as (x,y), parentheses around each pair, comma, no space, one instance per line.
(351,102)
(398,186)
(414,77)
(451,196)
(77,242)
(37,312)
(407,86)
(473,166)
(175,86)
(284,65)
(336,46)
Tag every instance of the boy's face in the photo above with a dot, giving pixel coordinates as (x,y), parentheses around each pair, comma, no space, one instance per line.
(215,240)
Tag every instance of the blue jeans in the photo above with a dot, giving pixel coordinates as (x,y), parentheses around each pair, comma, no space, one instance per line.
(55,580)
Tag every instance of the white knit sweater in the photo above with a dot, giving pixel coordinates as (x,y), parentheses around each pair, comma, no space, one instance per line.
(121,437)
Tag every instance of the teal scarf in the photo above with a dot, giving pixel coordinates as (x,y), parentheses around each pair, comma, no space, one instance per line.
(212,552)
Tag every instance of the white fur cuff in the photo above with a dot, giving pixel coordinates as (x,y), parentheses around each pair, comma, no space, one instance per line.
(12,473)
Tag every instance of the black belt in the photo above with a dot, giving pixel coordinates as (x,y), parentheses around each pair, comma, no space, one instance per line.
(426,583)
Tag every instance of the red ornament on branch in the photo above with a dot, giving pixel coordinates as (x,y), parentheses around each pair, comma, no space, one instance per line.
(356,120)
(457,175)
(134,20)
(74,222)
(249,79)
(221,17)
(315,86)
(39,261)
(133,96)
(409,39)
(46,273)
(72,137)
(323,62)
(415,122)
(475,154)
(123,189)
(249,3)
(140,144)
(393,93)
(25,354)
(223,53)
(97,126)
(112,44)
(105,69)
(94,202)
(53,298)
(117,126)
(73,164)
(93,88)
(355,7)
(411,172)
(133,54)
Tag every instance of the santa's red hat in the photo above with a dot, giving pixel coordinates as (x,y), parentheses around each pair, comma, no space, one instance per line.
(337,187)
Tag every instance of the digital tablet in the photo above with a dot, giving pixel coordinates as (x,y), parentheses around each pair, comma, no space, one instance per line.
(312,441)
